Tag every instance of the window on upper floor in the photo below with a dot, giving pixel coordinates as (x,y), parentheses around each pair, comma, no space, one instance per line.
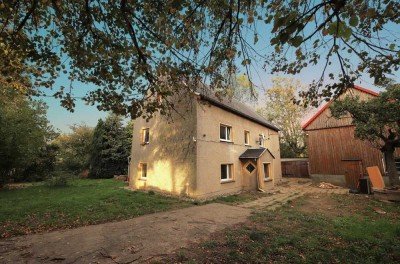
(226,172)
(145,136)
(247,137)
(261,139)
(225,133)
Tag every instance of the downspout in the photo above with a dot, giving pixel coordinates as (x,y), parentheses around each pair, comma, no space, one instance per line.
(129,169)
(259,177)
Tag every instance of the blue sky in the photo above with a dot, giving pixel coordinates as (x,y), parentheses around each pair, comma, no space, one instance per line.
(61,118)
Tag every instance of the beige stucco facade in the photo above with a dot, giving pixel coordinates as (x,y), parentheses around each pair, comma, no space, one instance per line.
(170,154)
(211,152)
(184,157)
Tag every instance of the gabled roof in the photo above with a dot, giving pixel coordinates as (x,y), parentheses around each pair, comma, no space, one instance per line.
(359,88)
(254,153)
(233,106)
(365,90)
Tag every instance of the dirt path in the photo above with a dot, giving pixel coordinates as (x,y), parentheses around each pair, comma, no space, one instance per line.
(139,239)
(123,242)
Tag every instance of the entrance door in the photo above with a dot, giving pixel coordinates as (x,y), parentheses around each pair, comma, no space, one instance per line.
(353,173)
(249,175)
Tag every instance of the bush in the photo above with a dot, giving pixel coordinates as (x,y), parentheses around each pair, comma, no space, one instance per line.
(58,179)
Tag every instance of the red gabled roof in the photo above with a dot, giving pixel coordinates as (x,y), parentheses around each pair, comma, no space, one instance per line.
(328,104)
(365,90)
(316,114)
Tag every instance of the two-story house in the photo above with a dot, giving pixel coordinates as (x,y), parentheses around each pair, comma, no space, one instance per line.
(210,147)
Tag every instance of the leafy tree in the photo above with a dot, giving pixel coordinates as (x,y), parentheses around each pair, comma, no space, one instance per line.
(15,72)
(127,48)
(24,134)
(241,89)
(377,121)
(286,151)
(42,166)
(96,157)
(74,148)
(110,148)
(281,110)
(353,36)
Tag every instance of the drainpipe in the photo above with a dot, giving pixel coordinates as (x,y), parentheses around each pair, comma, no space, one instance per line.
(129,168)
(258,176)
(258,185)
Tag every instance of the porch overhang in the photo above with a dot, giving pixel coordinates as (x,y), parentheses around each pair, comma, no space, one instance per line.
(255,153)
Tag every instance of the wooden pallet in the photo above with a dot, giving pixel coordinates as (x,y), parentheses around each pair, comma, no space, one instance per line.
(387,194)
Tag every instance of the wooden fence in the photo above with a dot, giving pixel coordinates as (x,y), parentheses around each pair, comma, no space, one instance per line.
(295,168)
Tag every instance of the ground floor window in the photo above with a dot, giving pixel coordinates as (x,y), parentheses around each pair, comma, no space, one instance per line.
(226,172)
(143,170)
(267,171)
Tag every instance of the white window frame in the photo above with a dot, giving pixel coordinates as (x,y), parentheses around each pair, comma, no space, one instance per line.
(144,132)
(261,139)
(229,172)
(228,133)
(141,170)
(247,138)
(269,171)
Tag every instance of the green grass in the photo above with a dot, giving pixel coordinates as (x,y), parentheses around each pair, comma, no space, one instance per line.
(82,202)
(209,244)
(351,232)
(234,199)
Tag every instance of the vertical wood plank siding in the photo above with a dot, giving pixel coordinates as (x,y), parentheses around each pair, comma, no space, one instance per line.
(330,141)
(328,147)
(325,119)
(397,153)
(295,169)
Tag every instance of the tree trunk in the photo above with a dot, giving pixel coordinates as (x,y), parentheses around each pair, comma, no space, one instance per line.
(391,167)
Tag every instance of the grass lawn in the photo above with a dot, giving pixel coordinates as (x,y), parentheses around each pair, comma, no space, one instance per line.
(83,202)
(312,229)
(235,199)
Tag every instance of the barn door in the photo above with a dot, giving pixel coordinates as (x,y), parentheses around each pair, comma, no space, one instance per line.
(353,173)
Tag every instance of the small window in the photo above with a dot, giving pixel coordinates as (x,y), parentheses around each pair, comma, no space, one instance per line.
(145,136)
(247,137)
(267,171)
(225,133)
(226,172)
(250,167)
(143,170)
(261,140)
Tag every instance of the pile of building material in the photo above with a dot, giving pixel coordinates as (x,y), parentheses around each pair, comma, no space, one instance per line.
(382,192)
(327,185)
(121,177)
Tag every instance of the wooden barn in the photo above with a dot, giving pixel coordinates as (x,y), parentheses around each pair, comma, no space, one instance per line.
(335,156)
